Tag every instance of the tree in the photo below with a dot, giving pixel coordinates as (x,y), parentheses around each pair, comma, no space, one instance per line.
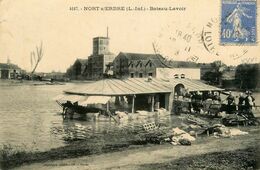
(247,76)
(210,77)
(215,74)
(218,68)
(36,57)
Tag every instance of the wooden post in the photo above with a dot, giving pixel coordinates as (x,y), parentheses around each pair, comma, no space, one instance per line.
(107,106)
(133,104)
(152,103)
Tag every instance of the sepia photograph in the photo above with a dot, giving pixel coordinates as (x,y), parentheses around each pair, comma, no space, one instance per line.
(129,84)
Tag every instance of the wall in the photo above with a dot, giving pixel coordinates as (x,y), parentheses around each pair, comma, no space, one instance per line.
(191,73)
(108,58)
(121,66)
(9,73)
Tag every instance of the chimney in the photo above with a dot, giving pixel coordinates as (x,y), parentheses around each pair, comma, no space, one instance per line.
(107,32)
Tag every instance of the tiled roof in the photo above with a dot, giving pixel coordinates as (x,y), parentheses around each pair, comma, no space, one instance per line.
(158,60)
(140,56)
(82,61)
(8,66)
(159,64)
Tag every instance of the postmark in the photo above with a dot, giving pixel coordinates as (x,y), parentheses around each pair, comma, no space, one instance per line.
(177,42)
(238,22)
(207,37)
(200,44)
(211,44)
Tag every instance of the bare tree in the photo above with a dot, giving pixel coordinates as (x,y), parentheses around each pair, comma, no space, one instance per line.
(36,57)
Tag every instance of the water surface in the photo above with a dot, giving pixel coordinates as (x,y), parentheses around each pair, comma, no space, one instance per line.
(30,119)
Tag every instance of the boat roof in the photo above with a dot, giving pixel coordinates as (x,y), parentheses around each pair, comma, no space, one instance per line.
(132,86)
(114,87)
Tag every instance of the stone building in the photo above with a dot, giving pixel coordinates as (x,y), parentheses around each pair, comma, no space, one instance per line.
(100,58)
(136,65)
(78,70)
(9,71)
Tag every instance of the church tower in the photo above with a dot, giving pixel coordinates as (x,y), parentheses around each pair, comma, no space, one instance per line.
(101,57)
(101,45)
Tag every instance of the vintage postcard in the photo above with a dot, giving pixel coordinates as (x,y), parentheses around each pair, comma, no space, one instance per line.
(129,84)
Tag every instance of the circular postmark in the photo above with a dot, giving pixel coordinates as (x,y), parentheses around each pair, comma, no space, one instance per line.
(210,37)
(179,43)
(201,45)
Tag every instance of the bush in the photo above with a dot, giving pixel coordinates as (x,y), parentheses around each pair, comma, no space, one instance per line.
(247,76)
(10,156)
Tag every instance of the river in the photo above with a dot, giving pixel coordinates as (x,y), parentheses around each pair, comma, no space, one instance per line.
(30,118)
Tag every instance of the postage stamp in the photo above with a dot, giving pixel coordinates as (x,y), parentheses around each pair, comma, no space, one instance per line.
(238,22)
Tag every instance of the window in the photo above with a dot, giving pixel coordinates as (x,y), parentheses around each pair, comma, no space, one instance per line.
(150,64)
(141,64)
(150,74)
(132,65)
(182,76)
(176,76)
(140,75)
(132,75)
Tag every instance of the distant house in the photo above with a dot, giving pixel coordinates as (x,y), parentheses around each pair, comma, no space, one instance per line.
(78,70)
(9,71)
(144,65)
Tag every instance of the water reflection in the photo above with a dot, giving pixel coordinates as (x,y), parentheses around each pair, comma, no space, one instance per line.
(74,130)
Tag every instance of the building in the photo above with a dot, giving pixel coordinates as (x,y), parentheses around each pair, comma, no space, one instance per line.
(78,70)
(137,65)
(100,58)
(135,94)
(144,65)
(9,71)
(190,73)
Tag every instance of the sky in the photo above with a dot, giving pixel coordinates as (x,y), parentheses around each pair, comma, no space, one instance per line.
(67,35)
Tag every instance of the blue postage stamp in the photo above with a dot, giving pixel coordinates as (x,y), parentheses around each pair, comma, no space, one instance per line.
(238,22)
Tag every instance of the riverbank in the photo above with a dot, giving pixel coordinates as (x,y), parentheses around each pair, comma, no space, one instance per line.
(133,141)
(240,152)
(106,142)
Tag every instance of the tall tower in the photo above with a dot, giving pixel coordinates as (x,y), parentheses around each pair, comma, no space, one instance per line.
(101,57)
(100,45)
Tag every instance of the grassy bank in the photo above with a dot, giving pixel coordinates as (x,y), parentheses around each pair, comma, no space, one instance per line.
(238,159)
(106,142)
(11,156)
(200,159)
